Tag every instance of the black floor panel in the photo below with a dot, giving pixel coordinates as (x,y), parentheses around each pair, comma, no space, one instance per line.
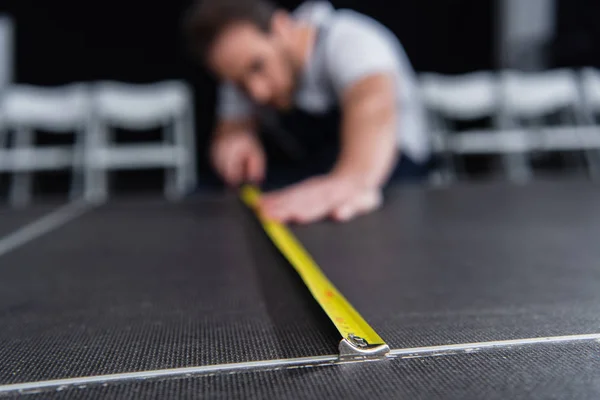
(150,285)
(471,263)
(565,371)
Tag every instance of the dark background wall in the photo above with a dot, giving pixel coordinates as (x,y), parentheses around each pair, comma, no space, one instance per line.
(577,39)
(62,41)
(139,40)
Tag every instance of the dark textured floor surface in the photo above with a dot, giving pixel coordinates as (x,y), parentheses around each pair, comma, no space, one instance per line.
(12,219)
(569,371)
(143,285)
(146,285)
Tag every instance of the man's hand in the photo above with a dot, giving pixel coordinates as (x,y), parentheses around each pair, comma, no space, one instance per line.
(321,197)
(367,157)
(238,157)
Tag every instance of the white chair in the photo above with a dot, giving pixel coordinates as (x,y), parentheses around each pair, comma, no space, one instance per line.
(590,88)
(528,97)
(58,110)
(535,94)
(167,105)
(590,84)
(466,97)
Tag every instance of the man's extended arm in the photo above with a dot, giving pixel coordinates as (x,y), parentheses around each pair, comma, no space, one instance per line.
(363,65)
(369,143)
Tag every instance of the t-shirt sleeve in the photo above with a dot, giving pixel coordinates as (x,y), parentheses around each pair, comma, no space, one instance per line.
(233,103)
(357,49)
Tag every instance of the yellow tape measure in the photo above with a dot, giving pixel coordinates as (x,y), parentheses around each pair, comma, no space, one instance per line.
(359,339)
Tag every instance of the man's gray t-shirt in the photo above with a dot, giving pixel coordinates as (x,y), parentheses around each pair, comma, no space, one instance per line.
(354,46)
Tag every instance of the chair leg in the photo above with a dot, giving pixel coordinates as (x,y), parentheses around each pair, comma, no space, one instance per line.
(517,167)
(591,155)
(88,154)
(89,174)
(592,158)
(102,182)
(173,190)
(177,181)
(20,193)
(96,192)
(182,178)
(95,168)
(77,171)
(191,165)
(3,139)
(171,172)
(106,141)
(576,158)
(457,167)
(445,173)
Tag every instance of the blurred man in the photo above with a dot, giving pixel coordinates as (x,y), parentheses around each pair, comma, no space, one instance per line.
(314,61)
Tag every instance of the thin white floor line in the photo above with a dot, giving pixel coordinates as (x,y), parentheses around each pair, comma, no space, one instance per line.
(43,225)
(498,343)
(277,364)
(200,370)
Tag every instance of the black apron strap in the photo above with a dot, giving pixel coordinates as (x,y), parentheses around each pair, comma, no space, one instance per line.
(296,136)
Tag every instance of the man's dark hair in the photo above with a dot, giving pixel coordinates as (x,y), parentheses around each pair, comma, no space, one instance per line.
(206,19)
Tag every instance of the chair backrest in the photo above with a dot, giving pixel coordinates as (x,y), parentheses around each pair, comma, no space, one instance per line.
(590,82)
(57,109)
(537,94)
(140,106)
(462,97)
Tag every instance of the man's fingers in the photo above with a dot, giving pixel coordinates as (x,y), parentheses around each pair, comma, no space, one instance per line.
(315,199)
(303,203)
(233,169)
(295,206)
(237,158)
(309,215)
(358,205)
(276,205)
(255,167)
(284,205)
(312,211)
(344,213)
(224,161)
(218,159)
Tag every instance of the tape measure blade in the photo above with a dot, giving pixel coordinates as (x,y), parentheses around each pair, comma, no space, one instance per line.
(352,326)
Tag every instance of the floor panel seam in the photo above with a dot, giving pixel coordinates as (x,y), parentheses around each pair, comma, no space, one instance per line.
(43,225)
(494,344)
(282,364)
